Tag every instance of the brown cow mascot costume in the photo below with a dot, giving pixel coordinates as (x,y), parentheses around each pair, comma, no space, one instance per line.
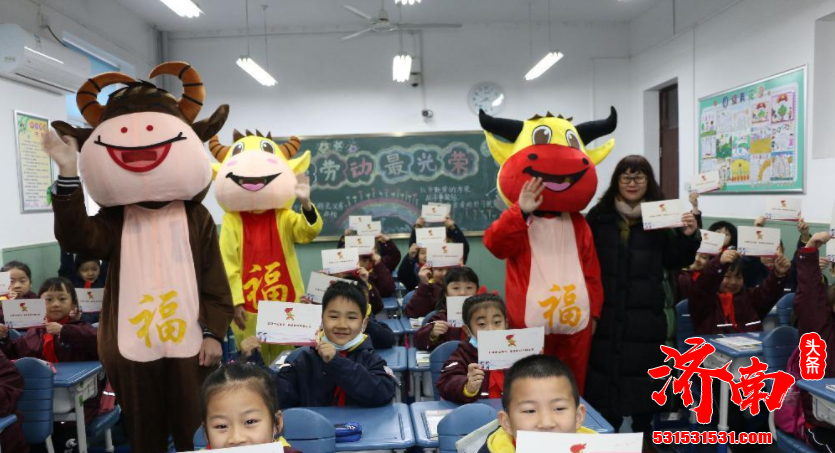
(167,303)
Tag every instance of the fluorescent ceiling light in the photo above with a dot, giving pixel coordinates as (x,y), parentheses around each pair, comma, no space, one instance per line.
(401,67)
(43,55)
(406,2)
(544,64)
(183,8)
(257,72)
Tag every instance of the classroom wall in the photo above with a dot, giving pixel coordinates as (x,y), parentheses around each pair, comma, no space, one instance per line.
(93,21)
(718,51)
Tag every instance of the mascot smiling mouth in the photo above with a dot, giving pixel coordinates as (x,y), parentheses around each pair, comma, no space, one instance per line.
(140,159)
(556,183)
(252,184)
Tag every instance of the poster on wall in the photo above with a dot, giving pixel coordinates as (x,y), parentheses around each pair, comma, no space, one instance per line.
(754,134)
(34,167)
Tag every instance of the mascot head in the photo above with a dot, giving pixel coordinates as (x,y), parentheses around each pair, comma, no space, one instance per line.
(550,148)
(144,144)
(256,173)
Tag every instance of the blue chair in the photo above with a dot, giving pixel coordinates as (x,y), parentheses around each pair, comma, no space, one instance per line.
(460,422)
(428,315)
(102,425)
(199,439)
(407,298)
(785,308)
(436,363)
(308,431)
(36,403)
(230,348)
(684,325)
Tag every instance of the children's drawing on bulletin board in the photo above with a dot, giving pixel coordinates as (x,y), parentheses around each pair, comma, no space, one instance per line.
(754,135)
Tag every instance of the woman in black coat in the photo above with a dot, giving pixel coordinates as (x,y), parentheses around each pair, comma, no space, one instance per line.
(638,309)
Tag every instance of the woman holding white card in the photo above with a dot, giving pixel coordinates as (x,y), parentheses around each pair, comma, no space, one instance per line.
(637,313)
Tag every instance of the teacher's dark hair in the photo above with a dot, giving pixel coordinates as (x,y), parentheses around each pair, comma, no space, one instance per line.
(636,164)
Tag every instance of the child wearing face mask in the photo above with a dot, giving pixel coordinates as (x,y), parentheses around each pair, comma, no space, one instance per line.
(343,368)
(241,408)
(720,302)
(85,273)
(462,380)
(459,281)
(61,339)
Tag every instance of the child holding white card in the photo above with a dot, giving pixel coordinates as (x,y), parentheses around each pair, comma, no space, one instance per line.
(83,272)
(462,380)
(686,278)
(343,368)
(241,408)
(429,290)
(384,247)
(380,334)
(20,286)
(459,281)
(814,305)
(720,302)
(407,273)
(379,274)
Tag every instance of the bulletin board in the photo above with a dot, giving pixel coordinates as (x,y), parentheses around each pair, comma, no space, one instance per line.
(34,166)
(390,177)
(754,135)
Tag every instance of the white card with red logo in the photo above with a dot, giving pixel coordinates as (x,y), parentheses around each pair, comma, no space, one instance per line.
(23,313)
(318,284)
(787,209)
(754,241)
(499,349)
(340,260)
(363,244)
(5,282)
(274,447)
(706,182)
(545,442)
(426,236)
(830,250)
(435,212)
(370,229)
(288,323)
(659,215)
(454,310)
(90,299)
(712,242)
(445,254)
(354,221)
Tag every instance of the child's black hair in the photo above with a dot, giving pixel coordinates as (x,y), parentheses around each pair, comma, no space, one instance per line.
(456,274)
(479,301)
(348,291)
(728,226)
(537,367)
(235,375)
(17,265)
(79,260)
(59,284)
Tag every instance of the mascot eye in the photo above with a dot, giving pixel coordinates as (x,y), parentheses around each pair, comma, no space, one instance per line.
(267,147)
(572,140)
(237,149)
(542,135)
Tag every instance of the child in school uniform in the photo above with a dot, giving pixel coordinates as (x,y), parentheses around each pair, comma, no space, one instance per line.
(814,305)
(429,291)
(756,270)
(459,281)
(241,408)
(720,302)
(407,273)
(343,368)
(379,275)
(60,340)
(11,389)
(540,394)
(20,286)
(686,278)
(380,334)
(462,380)
(385,247)
(729,230)
(85,273)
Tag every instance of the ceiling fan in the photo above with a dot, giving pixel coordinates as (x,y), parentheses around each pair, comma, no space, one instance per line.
(382,24)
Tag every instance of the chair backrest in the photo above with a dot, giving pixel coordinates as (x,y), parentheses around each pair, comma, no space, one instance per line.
(785,308)
(36,403)
(295,354)
(684,325)
(200,441)
(230,349)
(436,363)
(308,431)
(408,297)
(14,334)
(778,346)
(462,421)
(428,315)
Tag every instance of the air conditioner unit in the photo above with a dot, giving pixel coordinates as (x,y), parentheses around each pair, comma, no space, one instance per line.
(45,64)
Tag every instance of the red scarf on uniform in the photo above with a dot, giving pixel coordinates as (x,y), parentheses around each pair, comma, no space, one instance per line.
(495,387)
(48,352)
(727,302)
(339,394)
(88,285)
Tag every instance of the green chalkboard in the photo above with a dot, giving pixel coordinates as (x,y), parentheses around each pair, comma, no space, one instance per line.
(391,176)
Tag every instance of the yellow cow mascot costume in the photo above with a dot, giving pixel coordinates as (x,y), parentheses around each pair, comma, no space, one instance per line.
(256,183)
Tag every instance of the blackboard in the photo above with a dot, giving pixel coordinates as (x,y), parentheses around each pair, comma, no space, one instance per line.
(391,176)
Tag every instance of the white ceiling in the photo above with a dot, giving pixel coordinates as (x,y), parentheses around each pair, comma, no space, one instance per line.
(229,14)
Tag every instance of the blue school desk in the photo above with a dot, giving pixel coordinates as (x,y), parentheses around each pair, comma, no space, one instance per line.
(421,379)
(383,428)
(738,358)
(7,421)
(390,305)
(396,328)
(593,420)
(75,382)
(396,359)
(823,399)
